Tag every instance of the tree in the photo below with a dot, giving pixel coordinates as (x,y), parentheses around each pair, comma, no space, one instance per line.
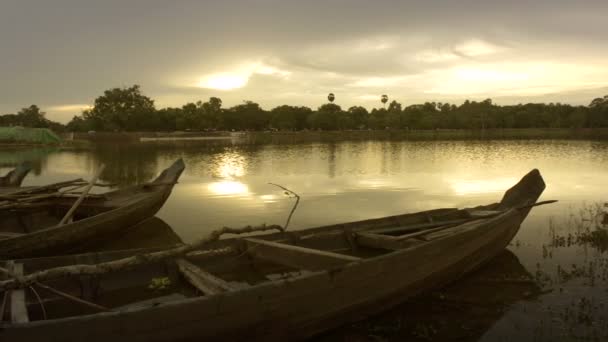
(32,117)
(289,117)
(394,118)
(121,109)
(248,115)
(384,100)
(598,112)
(359,116)
(212,113)
(331,97)
(326,117)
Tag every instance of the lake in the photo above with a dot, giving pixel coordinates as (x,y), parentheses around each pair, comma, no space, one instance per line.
(228,185)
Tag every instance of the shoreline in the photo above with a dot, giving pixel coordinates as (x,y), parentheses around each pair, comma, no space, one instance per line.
(264,137)
(84,140)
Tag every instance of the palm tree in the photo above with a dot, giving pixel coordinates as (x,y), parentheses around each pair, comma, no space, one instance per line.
(384,100)
(331,97)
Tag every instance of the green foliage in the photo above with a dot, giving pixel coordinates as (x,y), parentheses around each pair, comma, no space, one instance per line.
(122,109)
(127,109)
(159,284)
(30,116)
(289,117)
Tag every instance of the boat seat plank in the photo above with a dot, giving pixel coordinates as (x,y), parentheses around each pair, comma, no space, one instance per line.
(296,256)
(414,227)
(18,305)
(383,241)
(151,302)
(204,281)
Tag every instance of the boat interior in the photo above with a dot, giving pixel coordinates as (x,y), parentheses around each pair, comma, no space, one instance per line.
(226,265)
(29,210)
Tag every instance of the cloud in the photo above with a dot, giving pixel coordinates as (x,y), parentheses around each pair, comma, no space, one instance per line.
(476,47)
(70,107)
(239,76)
(286,51)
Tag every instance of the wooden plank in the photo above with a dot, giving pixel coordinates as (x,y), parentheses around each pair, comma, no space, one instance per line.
(422,234)
(205,282)
(404,229)
(9,235)
(295,256)
(151,302)
(382,241)
(18,306)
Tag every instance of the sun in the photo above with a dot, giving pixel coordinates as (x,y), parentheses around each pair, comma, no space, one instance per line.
(224,81)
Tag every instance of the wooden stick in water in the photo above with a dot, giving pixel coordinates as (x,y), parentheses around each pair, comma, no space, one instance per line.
(86,190)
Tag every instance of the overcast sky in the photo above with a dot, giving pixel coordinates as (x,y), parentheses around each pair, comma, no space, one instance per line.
(62,54)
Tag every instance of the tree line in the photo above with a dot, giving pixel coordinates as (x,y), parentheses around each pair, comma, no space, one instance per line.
(127,109)
(31,116)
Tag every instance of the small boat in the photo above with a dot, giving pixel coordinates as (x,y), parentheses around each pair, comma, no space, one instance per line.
(14,177)
(279,286)
(35,229)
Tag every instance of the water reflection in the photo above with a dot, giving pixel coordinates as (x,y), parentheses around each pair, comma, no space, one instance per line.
(229,165)
(338,182)
(467,187)
(228,188)
(125,164)
(36,157)
(463,311)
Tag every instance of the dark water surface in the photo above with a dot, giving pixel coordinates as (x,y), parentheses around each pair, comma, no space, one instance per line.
(553,285)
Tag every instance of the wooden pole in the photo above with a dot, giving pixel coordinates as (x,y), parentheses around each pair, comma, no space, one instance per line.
(72,298)
(42,188)
(132,261)
(86,190)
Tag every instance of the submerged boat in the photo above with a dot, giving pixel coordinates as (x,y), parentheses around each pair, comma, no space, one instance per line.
(14,177)
(278,286)
(36,230)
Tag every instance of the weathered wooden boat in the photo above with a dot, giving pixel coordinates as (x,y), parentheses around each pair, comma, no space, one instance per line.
(465,310)
(35,230)
(279,286)
(14,177)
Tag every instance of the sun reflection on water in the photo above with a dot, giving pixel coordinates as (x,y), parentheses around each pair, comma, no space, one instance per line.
(228,188)
(228,167)
(466,187)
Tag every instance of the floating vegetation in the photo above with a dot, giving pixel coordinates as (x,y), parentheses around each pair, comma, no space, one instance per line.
(588,228)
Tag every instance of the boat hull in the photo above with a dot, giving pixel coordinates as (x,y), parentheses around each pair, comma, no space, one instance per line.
(68,237)
(295,308)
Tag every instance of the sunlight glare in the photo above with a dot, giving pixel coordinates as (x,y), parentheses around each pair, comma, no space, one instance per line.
(228,188)
(229,165)
(224,81)
(464,187)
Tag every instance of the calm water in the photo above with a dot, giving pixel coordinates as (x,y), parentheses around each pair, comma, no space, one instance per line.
(228,186)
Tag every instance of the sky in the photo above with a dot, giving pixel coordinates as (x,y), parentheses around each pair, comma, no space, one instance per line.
(62,54)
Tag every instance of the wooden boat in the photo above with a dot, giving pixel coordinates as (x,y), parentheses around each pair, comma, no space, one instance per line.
(33,230)
(14,177)
(279,286)
(467,309)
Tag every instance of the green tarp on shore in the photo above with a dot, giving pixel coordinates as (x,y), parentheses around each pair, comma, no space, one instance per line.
(28,135)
